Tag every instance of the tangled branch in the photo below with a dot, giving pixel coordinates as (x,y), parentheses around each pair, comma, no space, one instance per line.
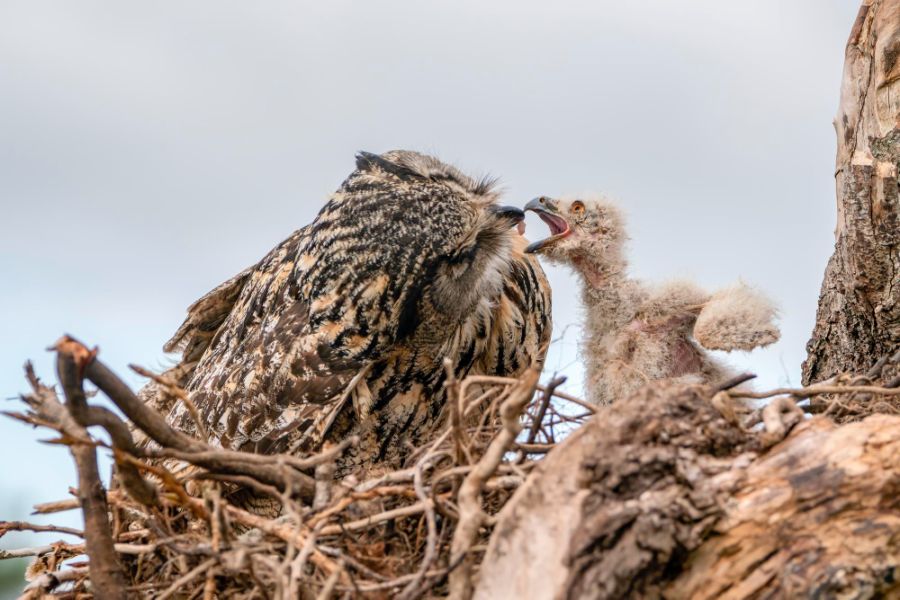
(420,530)
(161,532)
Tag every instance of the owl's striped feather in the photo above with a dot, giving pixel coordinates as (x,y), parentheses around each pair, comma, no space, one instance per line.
(409,262)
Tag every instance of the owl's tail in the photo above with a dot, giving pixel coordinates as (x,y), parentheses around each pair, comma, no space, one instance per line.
(737,318)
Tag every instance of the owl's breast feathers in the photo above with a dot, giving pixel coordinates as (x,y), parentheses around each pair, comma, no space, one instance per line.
(343,327)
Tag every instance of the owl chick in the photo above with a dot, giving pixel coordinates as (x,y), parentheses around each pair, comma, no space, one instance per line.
(636,332)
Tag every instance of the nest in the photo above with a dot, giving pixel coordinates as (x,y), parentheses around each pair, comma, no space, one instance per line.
(868,397)
(422,530)
(163,532)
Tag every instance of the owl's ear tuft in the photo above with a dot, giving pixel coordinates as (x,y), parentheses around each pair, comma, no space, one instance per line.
(367,161)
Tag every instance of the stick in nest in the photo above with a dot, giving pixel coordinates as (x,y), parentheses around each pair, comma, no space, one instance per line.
(471,514)
(169,540)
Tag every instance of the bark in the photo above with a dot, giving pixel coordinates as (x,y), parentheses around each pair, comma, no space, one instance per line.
(819,517)
(858,317)
(533,529)
(673,500)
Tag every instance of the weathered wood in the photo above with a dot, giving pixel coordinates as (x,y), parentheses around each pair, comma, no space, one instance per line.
(858,317)
(659,479)
(625,497)
(817,517)
(676,501)
(531,538)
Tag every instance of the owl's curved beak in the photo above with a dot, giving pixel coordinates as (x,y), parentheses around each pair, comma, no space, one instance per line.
(548,210)
(513,215)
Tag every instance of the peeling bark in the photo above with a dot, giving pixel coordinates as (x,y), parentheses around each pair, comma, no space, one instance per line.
(675,501)
(817,517)
(544,510)
(858,317)
(656,484)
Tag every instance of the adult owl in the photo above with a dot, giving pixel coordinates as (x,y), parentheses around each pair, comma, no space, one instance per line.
(342,329)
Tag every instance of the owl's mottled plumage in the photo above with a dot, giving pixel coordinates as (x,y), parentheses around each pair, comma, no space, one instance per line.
(410,261)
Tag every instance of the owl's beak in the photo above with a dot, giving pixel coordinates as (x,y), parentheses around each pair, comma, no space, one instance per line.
(513,215)
(548,210)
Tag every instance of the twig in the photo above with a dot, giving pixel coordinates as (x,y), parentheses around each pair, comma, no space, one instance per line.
(232,462)
(570,398)
(471,515)
(172,484)
(47,508)
(412,590)
(779,416)
(547,395)
(324,483)
(331,582)
(397,582)
(176,442)
(286,532)
(367,522)
(39,550)
(299,563)
(341,504)
(7,526)
(242,480)
(178,392)
(46,582)
(72,358)
(455,398)
(107,575)
(187,578)
(816,390)
(734,382)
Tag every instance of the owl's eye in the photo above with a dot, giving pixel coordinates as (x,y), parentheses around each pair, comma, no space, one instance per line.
(577,208)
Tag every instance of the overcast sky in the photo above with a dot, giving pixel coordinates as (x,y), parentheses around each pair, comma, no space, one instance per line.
(150,150)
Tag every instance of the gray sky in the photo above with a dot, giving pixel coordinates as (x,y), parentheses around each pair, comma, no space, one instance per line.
(148,151)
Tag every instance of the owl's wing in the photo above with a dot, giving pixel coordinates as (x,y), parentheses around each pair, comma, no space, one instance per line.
(241,333)
(205,316)
(738,317)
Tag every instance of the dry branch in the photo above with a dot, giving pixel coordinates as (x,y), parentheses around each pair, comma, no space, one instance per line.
(106,573)
(391,534)
(656,472)
(471,514)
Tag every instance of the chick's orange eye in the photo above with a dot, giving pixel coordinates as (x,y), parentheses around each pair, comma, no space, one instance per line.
(577,209)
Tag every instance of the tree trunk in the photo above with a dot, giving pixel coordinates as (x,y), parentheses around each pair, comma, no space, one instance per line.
(858,318)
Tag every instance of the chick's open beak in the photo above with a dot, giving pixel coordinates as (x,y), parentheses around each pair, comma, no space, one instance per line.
(547,209)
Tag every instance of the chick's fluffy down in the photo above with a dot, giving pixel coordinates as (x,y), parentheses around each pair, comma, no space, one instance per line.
(738,317)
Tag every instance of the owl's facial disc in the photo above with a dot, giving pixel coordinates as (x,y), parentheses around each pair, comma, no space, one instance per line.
(548,210)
